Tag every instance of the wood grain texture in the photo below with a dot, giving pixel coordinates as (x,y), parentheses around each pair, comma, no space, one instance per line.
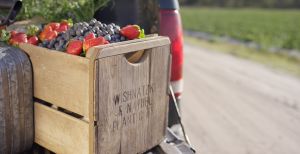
(131,106)
(60,78)
(159,76)
(60,132)
(16,106)
(128,46)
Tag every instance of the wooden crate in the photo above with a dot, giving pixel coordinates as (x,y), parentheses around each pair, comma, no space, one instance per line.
(101,103)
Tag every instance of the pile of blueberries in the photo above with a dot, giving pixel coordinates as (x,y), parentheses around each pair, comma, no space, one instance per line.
(111,32)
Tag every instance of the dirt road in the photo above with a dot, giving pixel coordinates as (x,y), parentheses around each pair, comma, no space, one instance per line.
(235,106)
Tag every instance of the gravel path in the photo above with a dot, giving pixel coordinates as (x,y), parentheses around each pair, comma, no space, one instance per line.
(235,106)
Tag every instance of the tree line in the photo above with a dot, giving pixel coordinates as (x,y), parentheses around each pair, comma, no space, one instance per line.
(245,3)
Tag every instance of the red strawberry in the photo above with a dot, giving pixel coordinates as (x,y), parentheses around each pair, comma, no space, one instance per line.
(89,36)
(62,28)
(68,22)
(53,25)
(74,47)
(132,32)
(18,38)
(13,33)
(33,40)
(64,24)
(48,28)
(43,34)
(93,42)
(50,35)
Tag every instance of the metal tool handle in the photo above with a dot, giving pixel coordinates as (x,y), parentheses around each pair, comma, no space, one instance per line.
(15,9)
(179,116)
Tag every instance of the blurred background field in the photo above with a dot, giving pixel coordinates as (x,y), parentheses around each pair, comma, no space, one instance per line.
(268,27)
(265,31)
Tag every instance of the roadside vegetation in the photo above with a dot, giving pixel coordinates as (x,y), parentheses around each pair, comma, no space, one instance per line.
(278,61)
(56,10)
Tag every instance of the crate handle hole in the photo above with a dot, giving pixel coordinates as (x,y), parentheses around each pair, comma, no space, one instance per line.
(136,57)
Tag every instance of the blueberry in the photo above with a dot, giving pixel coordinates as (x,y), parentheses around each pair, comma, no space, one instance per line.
(99,33)
(109,26)
(45,43)
(96,28)
(117,35)
(93,31)
(80,38)
(90,27)
(112,37)
(61,42)
(84,29)
(118,40)
(59,38)
(72,32)
(92,22)
(59,48)
(40,44)
(107,37)
(111,31)
(117,31)
(49,46)
(122,38)
(98,24)
(52,42)
(79,32)
(67,36)
(85,24)
(64,35)
(56,45)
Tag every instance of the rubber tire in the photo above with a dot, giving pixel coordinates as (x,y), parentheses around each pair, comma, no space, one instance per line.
(16,101)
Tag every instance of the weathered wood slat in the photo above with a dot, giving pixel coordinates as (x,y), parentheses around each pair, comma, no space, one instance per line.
(60,132)
(129,46)
(60,78)
(116,130)
(16,106)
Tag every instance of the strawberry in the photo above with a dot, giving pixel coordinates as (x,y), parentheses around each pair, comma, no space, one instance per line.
(43,34)
(33,40)
(68,22)
(93,42)
(132,32)
(89,36)
(62,28)
(74,47)
(53,25)
(48,28)
(13,33)
(18,38)
(51,35)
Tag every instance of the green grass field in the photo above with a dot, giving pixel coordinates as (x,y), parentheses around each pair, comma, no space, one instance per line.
(269,28)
